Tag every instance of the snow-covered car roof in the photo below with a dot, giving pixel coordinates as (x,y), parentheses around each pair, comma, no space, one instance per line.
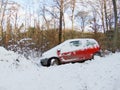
(53,50)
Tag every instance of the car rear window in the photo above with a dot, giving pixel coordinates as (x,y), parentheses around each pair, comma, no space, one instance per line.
(90,43)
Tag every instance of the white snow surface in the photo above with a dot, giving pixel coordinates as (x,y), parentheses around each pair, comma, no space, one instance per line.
(18,73)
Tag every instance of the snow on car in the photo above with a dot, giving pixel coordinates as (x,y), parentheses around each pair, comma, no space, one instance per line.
(72,50)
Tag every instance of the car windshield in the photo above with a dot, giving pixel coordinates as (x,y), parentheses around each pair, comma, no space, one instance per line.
(75,43)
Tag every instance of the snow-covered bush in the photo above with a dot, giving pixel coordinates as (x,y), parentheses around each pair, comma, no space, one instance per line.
(25,47)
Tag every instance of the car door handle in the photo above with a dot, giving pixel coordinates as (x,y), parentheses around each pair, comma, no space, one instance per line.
(68,54)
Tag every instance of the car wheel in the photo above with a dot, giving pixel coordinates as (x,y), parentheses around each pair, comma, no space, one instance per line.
(54,62)
(98,54)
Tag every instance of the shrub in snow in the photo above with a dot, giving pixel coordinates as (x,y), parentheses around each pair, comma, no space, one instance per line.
(25,47)
(12,59)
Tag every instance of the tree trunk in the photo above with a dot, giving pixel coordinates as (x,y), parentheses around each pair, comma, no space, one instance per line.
(73,10)
(2,18)
(115,26)
(60,21)
(105,10)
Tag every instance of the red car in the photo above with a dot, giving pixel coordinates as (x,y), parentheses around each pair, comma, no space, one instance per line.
(73,50)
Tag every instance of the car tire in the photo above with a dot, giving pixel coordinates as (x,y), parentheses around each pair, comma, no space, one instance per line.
(54,62)
(96,54)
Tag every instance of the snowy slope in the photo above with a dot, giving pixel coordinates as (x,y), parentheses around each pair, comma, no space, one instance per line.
(18,73)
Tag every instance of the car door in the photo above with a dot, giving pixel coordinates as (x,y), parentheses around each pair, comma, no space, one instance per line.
(71,51)
(65,52)
(89,49)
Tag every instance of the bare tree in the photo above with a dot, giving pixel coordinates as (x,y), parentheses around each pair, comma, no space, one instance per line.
(60,6)
(106,16)
(44,16)
(83,17)
(3,4)
(73,2)
(60,22)
(115,25)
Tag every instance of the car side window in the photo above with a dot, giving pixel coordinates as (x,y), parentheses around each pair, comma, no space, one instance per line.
(75,43)
(90,43)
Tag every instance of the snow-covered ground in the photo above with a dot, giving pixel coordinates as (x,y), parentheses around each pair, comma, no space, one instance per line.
(18,73)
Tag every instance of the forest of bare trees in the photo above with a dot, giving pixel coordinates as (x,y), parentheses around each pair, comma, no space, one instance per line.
(30,27)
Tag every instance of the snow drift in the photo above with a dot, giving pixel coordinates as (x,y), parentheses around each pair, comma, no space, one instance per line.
(18,73)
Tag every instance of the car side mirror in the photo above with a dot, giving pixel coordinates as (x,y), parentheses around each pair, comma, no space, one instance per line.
(58,51)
